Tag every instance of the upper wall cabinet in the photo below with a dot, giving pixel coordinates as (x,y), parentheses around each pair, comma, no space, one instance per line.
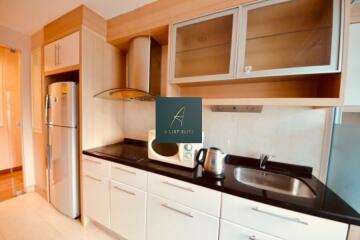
(204,48)
(62,53)
(264,38)
(281,37)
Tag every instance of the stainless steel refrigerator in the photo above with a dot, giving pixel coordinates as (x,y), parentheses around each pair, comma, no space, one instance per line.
(62,122)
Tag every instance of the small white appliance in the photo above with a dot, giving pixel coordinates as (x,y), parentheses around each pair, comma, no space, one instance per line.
(181,154)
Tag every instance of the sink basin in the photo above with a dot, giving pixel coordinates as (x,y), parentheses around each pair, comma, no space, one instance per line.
(273,182)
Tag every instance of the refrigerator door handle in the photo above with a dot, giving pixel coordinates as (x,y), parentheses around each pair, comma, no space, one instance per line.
(47,109)
(49,145)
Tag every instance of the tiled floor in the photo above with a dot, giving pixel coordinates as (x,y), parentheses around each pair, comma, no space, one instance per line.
(30,217)
(11,185)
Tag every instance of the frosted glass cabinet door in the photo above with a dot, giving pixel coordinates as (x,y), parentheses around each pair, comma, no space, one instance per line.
(203,49)
(281,37)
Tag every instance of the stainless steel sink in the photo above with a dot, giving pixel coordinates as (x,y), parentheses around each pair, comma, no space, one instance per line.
(273,182)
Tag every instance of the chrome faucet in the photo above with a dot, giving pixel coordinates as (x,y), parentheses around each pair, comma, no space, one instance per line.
(264,158)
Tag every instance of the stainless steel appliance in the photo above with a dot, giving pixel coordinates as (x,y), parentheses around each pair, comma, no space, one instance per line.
(181,154)
(213,160)
(61,120)
(143,72)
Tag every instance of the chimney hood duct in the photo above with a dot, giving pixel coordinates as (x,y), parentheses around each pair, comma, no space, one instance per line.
(143,72)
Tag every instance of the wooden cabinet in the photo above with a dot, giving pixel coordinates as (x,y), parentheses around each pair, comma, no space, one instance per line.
(281,37)
(62,53)
(127,211)
(204,48)
(230,231)
(264,39)
(170,220)
(280,222)
(352,86)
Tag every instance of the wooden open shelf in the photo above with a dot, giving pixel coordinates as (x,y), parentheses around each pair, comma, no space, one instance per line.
(63,70)
(307,90)
(303,102)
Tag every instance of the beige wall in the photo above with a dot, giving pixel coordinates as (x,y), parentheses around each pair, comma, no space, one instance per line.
(293,134)
(21,42)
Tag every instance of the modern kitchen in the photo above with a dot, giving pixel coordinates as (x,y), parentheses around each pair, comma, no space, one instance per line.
(180,119)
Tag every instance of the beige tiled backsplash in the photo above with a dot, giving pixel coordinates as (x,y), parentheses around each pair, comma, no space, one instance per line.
(293,134)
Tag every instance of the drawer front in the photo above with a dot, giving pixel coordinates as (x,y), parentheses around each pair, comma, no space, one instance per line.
(191,195)
(128,175)
(169,220)
(280,222)
(127,211)
(96,199)
(96,167)
(230,231)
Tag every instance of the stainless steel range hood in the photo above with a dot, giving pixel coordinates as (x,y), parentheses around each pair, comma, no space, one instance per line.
(143,72)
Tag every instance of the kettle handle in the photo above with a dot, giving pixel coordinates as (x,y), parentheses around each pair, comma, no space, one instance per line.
(201,161)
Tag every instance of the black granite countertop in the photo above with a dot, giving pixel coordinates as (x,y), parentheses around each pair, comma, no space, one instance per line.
(326,204)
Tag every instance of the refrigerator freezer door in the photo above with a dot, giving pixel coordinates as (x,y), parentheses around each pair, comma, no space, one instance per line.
(64,170)
(63,104)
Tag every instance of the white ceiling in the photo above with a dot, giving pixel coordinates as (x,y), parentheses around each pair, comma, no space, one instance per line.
(28,16)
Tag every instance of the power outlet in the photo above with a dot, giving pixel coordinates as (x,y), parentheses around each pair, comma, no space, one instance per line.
(237,108)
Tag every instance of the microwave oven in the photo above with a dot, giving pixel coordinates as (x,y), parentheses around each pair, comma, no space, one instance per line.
(181,154)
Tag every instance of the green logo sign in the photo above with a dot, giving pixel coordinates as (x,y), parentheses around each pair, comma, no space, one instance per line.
(178,120)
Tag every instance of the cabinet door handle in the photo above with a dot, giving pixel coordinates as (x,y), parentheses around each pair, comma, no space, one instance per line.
(296,220)
(59,54)
(188,214)
(252,238)
(93,178)
(93,161)
(177,186)
(55,55)
(124,170)
(123,190)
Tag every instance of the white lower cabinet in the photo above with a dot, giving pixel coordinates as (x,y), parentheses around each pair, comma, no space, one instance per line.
(169,220)
(280,222)
(231,231)
(127,211)
(200,198)
(96,198)
(139,205)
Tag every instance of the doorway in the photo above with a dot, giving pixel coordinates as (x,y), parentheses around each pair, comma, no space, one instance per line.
(11,174)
